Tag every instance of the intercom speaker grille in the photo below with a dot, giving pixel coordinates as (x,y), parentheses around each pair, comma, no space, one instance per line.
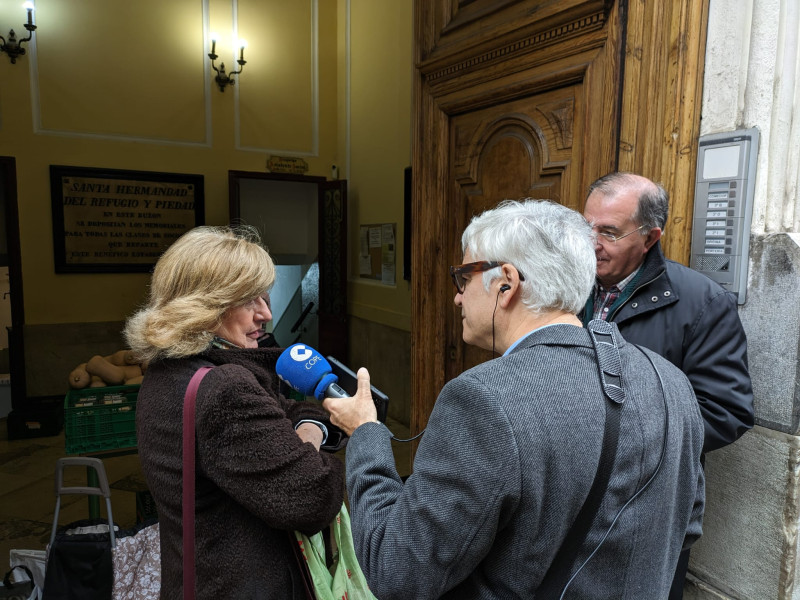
(713,263)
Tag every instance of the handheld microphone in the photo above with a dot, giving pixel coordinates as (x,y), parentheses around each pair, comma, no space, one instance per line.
(305,370)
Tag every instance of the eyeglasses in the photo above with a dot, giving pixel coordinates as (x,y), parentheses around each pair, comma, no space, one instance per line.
(615,238)
(265,297)
(457,272)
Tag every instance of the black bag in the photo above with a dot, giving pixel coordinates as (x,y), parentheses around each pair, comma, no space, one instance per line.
(79,560)
(21,590)
(79,565)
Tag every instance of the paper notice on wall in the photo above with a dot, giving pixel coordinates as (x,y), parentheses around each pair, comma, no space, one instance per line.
(364,259)
(375,237)
(364,265)
(377,252)
(387,254)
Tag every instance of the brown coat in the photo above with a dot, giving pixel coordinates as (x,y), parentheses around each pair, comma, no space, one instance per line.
(256,480)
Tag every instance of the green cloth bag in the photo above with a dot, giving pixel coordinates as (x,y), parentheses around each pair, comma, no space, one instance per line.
(344,580)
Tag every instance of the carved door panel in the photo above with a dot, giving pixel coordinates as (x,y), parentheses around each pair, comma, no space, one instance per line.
(502,111)
(514,150)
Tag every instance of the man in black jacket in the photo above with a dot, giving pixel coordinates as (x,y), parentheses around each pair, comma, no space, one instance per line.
(667,307)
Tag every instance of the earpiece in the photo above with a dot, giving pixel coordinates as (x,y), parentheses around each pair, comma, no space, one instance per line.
(505,287)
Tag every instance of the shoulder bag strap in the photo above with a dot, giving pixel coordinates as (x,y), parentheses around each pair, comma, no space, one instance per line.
(189,402)
(609,364)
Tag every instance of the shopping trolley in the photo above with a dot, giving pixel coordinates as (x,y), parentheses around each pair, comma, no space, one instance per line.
(79,556)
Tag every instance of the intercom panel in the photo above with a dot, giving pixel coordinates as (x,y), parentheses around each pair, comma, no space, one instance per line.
(723,207)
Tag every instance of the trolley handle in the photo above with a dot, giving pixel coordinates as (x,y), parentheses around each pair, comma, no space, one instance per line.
(82,461)
(102,489)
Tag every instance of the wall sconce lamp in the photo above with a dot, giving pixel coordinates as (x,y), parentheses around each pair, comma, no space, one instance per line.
(224,79)
(13,47)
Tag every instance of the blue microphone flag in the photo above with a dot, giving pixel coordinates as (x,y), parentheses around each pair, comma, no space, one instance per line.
(305,370)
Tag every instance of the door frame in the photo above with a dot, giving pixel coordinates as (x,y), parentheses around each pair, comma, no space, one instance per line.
(8,180)
(332,248)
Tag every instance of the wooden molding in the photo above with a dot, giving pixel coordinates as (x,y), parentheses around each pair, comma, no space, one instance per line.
(560,115)
(435,72)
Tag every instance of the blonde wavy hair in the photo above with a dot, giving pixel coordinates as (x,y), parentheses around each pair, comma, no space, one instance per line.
(201,276)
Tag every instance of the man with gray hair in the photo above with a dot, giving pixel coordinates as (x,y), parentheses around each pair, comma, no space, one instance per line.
(568,467)
(674,311)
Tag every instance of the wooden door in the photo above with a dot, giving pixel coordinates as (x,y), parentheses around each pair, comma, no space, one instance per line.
(523,148)
(536,98)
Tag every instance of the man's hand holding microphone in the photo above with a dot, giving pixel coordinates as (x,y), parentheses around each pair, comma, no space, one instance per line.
(351,412)
(307,371)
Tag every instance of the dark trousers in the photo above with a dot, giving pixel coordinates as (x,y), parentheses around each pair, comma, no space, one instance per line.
(676,591)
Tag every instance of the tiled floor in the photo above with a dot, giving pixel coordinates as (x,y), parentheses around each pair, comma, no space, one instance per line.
(27,488)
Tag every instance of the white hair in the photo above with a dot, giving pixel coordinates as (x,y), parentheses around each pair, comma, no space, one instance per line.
(551,245)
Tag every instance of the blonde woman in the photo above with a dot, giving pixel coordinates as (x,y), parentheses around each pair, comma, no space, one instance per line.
(259,473)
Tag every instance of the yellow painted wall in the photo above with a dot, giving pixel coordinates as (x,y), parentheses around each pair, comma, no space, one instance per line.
(127,85)
(381,43)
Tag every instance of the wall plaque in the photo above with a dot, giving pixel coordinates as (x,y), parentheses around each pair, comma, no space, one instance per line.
(287,164)
(117,221)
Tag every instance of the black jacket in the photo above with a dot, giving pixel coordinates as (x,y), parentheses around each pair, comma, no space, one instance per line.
(693,322)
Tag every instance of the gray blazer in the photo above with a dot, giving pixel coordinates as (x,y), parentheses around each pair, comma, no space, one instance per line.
(507,461)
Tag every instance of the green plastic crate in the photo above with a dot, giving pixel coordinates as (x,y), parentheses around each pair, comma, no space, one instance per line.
(98,419)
